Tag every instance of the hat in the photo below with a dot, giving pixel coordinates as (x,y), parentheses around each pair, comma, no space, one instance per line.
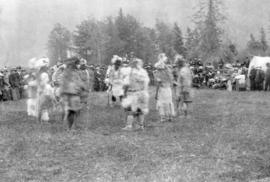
(116,58)
(162,57)
(83,61)
(38,63)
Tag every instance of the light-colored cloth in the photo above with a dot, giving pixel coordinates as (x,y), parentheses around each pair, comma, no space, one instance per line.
(32,107)
(229,85)
(241,79)
(137,97)
(57,76)
(184,83)
(116,80)
(45,96)
(165,104)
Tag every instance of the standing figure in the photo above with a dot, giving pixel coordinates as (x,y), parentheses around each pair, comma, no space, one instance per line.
(252,77)
(136,102)
(85,77)
(267,77)
(97,82)
(57,77)
(259,79)
(71,89)
(115,81)
(31,88)
(184,82)
(2,86)
(164,78)
(45,95)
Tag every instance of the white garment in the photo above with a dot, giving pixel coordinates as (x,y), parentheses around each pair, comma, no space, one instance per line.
(165,104)
(138,96)
(241,79)
(32,107)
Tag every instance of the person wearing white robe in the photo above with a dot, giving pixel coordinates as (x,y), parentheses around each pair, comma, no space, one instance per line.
(115,81)
(31,88)
(45,95)
(164,78)
(136,102)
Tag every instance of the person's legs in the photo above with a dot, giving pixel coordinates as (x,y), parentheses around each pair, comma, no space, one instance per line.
(266,85)
(129,118)
(71,118)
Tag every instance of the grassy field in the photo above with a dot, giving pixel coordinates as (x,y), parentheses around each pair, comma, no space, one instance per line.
(226,139)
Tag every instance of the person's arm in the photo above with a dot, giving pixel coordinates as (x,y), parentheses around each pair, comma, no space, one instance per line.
(157,90)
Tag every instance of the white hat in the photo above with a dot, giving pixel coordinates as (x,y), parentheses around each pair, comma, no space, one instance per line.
(160,65)
(162,57)
(115,58)
(83,61)
(38,63)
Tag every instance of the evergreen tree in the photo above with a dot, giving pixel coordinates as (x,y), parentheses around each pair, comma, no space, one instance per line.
(114,44)
(253,45)
(192,42)
(90,37)
(263,40)
(208,21)
(165,39)
(58,43)
(178,41)
(127,28)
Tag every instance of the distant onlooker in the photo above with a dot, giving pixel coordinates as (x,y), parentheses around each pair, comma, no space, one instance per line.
(259,79)
(267,77)
(252,77)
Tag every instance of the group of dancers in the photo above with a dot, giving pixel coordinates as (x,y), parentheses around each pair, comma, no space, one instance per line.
(128,84)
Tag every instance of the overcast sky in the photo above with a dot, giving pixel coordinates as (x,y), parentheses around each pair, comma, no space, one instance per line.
(25,24)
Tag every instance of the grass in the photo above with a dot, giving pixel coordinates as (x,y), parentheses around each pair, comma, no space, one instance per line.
(226,139)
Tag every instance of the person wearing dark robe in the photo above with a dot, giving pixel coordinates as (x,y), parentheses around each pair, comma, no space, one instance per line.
(97,82)
(267,78)
(252,76)
(71,89)
(259,79)
(2,86)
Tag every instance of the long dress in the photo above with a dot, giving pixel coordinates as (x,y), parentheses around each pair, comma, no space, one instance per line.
(165,104)
(32,98)
(45,97)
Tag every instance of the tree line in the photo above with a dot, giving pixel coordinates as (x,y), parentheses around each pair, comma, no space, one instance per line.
(97,41)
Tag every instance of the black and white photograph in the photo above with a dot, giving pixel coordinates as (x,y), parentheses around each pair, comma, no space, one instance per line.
(134,91)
